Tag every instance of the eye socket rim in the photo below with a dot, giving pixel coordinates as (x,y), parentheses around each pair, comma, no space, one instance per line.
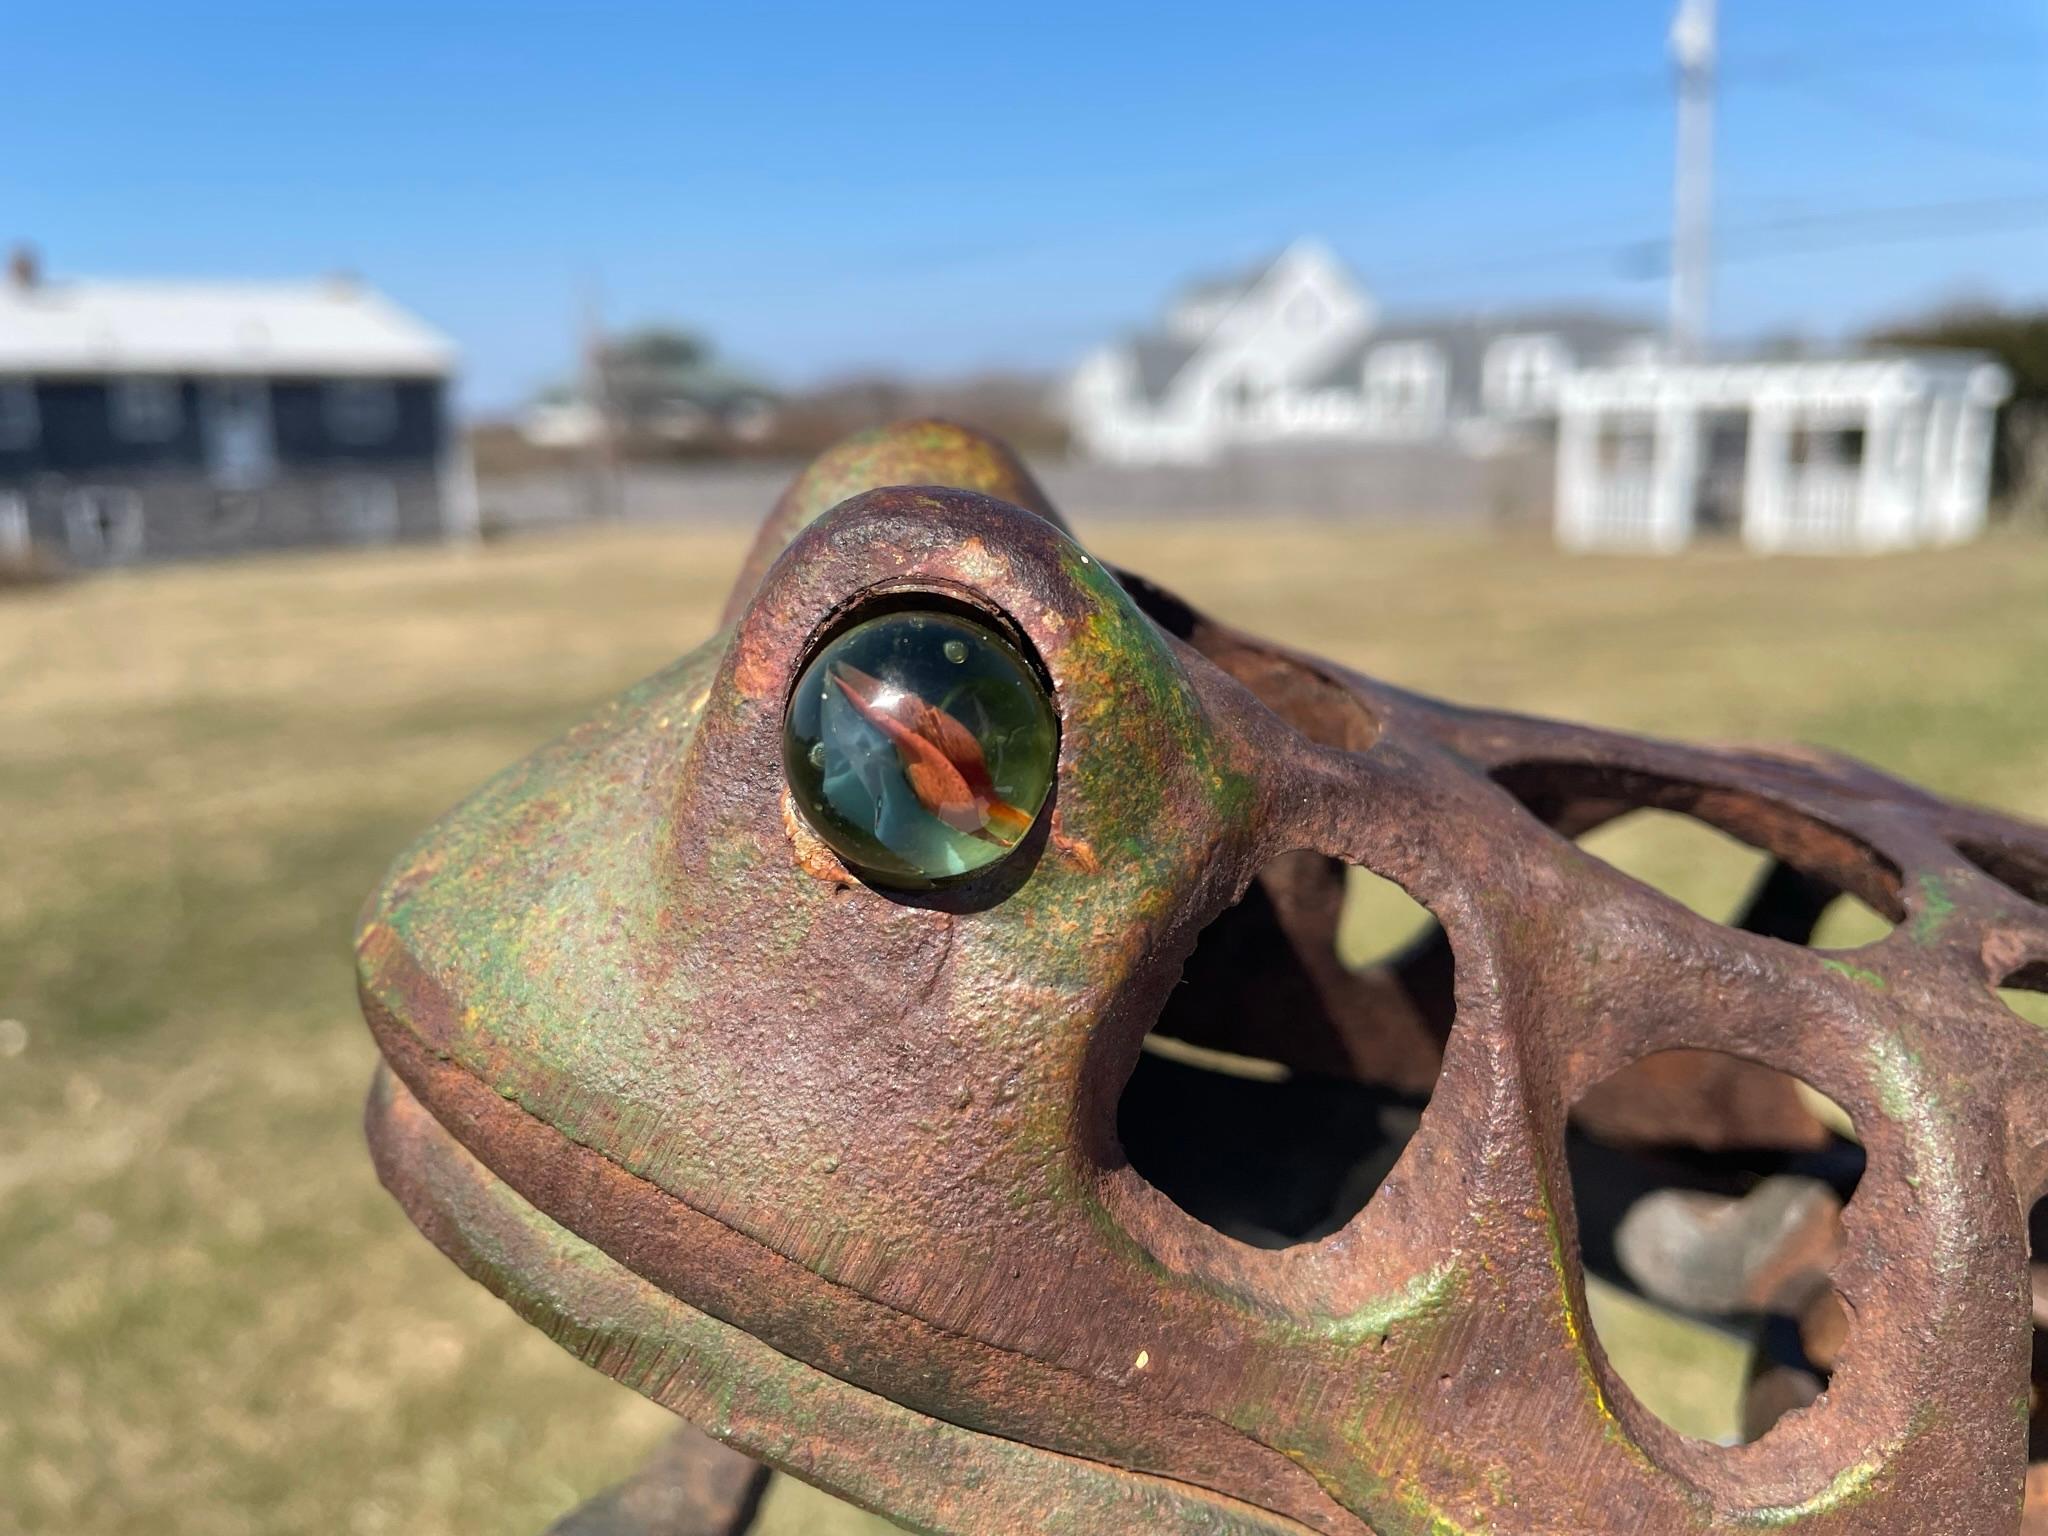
(901,596)
(967,606)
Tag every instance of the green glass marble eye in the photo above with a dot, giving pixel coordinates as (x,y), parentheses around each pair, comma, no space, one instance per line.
(920,745)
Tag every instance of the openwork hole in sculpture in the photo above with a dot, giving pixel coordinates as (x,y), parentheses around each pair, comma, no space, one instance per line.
(1726,880)
(1707,1267)
(2037,1384)
(1380,923)
(2025,992)
(1742,860)
(1279,1084)
(2022,871)
(1696,865)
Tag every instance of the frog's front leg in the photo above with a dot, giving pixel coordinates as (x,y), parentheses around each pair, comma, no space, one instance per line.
(691,1486)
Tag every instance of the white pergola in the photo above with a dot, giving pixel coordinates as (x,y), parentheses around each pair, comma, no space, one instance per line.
(1854,454)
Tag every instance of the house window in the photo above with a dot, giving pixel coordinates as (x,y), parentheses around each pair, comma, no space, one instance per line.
(1523,373)
(1404,385)
(144,409)
(103,525)
(363,509)
(18,421)
(361,411)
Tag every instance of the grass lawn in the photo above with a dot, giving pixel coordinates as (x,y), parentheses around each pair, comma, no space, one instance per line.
(213,1321)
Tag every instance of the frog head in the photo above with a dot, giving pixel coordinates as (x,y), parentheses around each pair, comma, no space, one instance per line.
(762,1040)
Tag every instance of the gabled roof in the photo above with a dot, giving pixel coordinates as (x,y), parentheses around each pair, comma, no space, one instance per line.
(319,328)
(1224,287)
(1159,357)
(1590,336)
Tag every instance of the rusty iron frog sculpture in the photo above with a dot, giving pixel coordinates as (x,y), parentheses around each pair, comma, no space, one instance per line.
(763,1041)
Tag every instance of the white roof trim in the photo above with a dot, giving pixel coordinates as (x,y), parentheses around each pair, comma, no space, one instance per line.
(1645,384)
(322,329)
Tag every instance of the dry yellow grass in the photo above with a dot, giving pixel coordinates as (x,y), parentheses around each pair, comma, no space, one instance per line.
(212,1321)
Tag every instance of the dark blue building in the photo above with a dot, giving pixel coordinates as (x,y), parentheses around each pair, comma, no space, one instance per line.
(143,421)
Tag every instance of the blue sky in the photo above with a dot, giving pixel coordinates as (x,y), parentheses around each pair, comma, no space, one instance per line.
(944,187)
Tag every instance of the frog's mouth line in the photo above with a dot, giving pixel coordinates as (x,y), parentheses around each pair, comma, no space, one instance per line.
(764,1403)
(485,1180)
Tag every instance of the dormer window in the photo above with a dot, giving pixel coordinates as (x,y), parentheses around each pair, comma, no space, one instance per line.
(19,423)
(361,411)
(145,408)
(1523,374)
(1404,385)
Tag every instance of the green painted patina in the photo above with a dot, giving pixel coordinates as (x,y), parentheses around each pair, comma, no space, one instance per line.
(1937,906)
(931,452)
(1855,973)
(918,453)
(1850,1487)
(1907,1090)
(1422,1298)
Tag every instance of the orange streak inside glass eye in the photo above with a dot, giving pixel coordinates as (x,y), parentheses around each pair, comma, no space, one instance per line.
(942,762)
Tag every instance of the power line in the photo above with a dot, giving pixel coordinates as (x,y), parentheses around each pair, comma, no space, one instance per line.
(1454,135)
(1649,256)
(1883,226)
(1896,111)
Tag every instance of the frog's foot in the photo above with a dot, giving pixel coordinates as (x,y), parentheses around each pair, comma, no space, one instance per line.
(691,1486)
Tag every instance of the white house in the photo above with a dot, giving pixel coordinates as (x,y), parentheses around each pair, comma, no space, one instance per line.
(1862,453)
(1867,452)
(1296,350)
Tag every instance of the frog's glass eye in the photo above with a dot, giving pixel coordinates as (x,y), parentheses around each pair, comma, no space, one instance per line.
(920,745)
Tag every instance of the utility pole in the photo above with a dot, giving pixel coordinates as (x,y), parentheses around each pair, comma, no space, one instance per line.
(602,498)
(1692,200)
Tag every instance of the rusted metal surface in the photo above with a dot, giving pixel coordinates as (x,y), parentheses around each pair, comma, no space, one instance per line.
(836,1172)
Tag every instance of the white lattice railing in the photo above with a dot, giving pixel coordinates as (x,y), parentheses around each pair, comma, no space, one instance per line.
(1822,507)
(1619,509)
